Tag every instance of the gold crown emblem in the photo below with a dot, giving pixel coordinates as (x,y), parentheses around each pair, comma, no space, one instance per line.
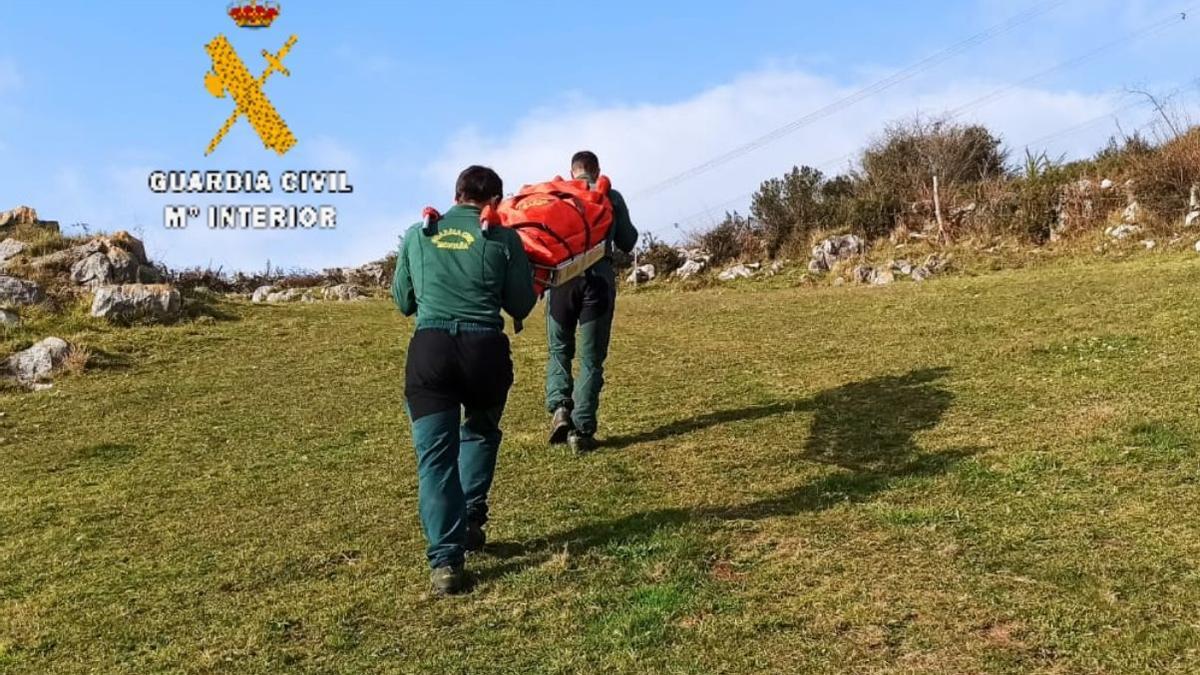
(252,13)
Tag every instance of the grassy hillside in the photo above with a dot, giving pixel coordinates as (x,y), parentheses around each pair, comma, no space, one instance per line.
(991,474)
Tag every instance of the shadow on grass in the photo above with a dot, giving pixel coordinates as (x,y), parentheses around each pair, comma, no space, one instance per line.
(864,428)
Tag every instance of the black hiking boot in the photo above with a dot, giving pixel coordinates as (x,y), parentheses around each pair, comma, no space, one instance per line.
(476,537)
(561,425)
(582,444)
(449,580)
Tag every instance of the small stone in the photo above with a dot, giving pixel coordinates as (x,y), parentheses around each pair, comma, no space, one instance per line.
(11,248)
(883,278)
(641,274)
(1192,219)
(1149,244)
(691,268)
(33,366)
(9,318)
(741,271)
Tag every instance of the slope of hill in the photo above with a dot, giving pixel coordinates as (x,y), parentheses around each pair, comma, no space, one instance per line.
(989,474)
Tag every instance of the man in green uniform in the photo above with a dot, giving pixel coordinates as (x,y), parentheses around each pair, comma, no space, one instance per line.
(579,318)
(456,277)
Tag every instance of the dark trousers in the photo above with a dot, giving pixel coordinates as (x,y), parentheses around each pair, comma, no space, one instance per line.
(456,385)
(579,317)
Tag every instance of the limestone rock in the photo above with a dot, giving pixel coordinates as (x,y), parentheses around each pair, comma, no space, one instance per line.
(1120,232)
(829,251)
(34,366)
(1133,214)
(9,318)
(129,302)
(740,271)
(1192,219)
(690,269)
(342,293)
(11,248)
(261,293)
(22,215)
(883,278)
(642,274)
(16,292)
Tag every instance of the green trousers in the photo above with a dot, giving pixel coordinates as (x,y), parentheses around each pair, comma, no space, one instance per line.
(455,466)
(579,318)
(456,385)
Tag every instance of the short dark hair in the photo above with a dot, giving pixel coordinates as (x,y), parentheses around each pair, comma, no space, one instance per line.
(588,161)
(478,184)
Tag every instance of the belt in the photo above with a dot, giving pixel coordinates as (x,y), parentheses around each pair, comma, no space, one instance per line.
(456,327)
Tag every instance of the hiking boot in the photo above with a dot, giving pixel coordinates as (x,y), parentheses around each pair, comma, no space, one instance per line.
(476,537)
(561,425)
(448,580)
(582,444)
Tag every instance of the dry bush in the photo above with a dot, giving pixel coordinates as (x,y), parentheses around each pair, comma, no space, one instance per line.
(665,258)
(77,360)
(734,238)
(1163,179)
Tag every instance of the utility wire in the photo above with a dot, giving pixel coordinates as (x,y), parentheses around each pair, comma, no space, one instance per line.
(1172,20)
(860,95)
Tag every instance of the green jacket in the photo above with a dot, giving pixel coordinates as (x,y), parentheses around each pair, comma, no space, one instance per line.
(462,274)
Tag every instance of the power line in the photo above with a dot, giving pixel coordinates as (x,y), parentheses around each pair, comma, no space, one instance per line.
(860,95)
(1172,20)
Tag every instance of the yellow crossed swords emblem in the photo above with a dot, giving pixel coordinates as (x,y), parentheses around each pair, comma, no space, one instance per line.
(230,74)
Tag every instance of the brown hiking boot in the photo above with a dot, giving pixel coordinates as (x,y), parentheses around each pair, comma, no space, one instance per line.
(561,425)
(449,580)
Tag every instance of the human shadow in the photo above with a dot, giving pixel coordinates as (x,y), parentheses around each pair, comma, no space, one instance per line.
(699,423)
(866,429)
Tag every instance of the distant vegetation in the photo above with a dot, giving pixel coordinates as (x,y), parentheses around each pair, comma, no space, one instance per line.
(984,191)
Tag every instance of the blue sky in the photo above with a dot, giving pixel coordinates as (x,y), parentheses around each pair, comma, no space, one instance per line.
(93,96)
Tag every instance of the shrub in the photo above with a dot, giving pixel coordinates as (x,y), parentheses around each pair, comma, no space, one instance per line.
(733,238)
(1163,179)
(665,258)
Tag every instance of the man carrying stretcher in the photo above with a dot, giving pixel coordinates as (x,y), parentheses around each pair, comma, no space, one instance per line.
(579,317)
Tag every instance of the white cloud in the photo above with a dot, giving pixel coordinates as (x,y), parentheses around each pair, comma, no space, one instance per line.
(641,145)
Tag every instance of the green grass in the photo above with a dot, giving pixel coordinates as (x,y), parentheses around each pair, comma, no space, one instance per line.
(988,474)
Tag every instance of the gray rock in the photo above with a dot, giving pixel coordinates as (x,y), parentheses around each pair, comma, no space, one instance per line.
(261,293)
(902,266)
(776,267)
(863,274)
(741,271)
(36,364)
(691,268)
(883,278)
(1198,247)
(1120,232)
(128,302)
(342,293)
(921,274)
(1192,219)
(829,251)
(642,274)
(1133,214)
(16,292)
(287,295)
(838,281)
(1149,244)
(11,248)
(9,318)
(1106,185)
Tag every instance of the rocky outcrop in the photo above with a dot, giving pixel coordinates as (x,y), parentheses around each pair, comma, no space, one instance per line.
(342,293)
(116,259)
(372,275)
(260,294)
(695,261)
(34,366)
(828,252)
(22,215)
(16,292)
(137,302)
